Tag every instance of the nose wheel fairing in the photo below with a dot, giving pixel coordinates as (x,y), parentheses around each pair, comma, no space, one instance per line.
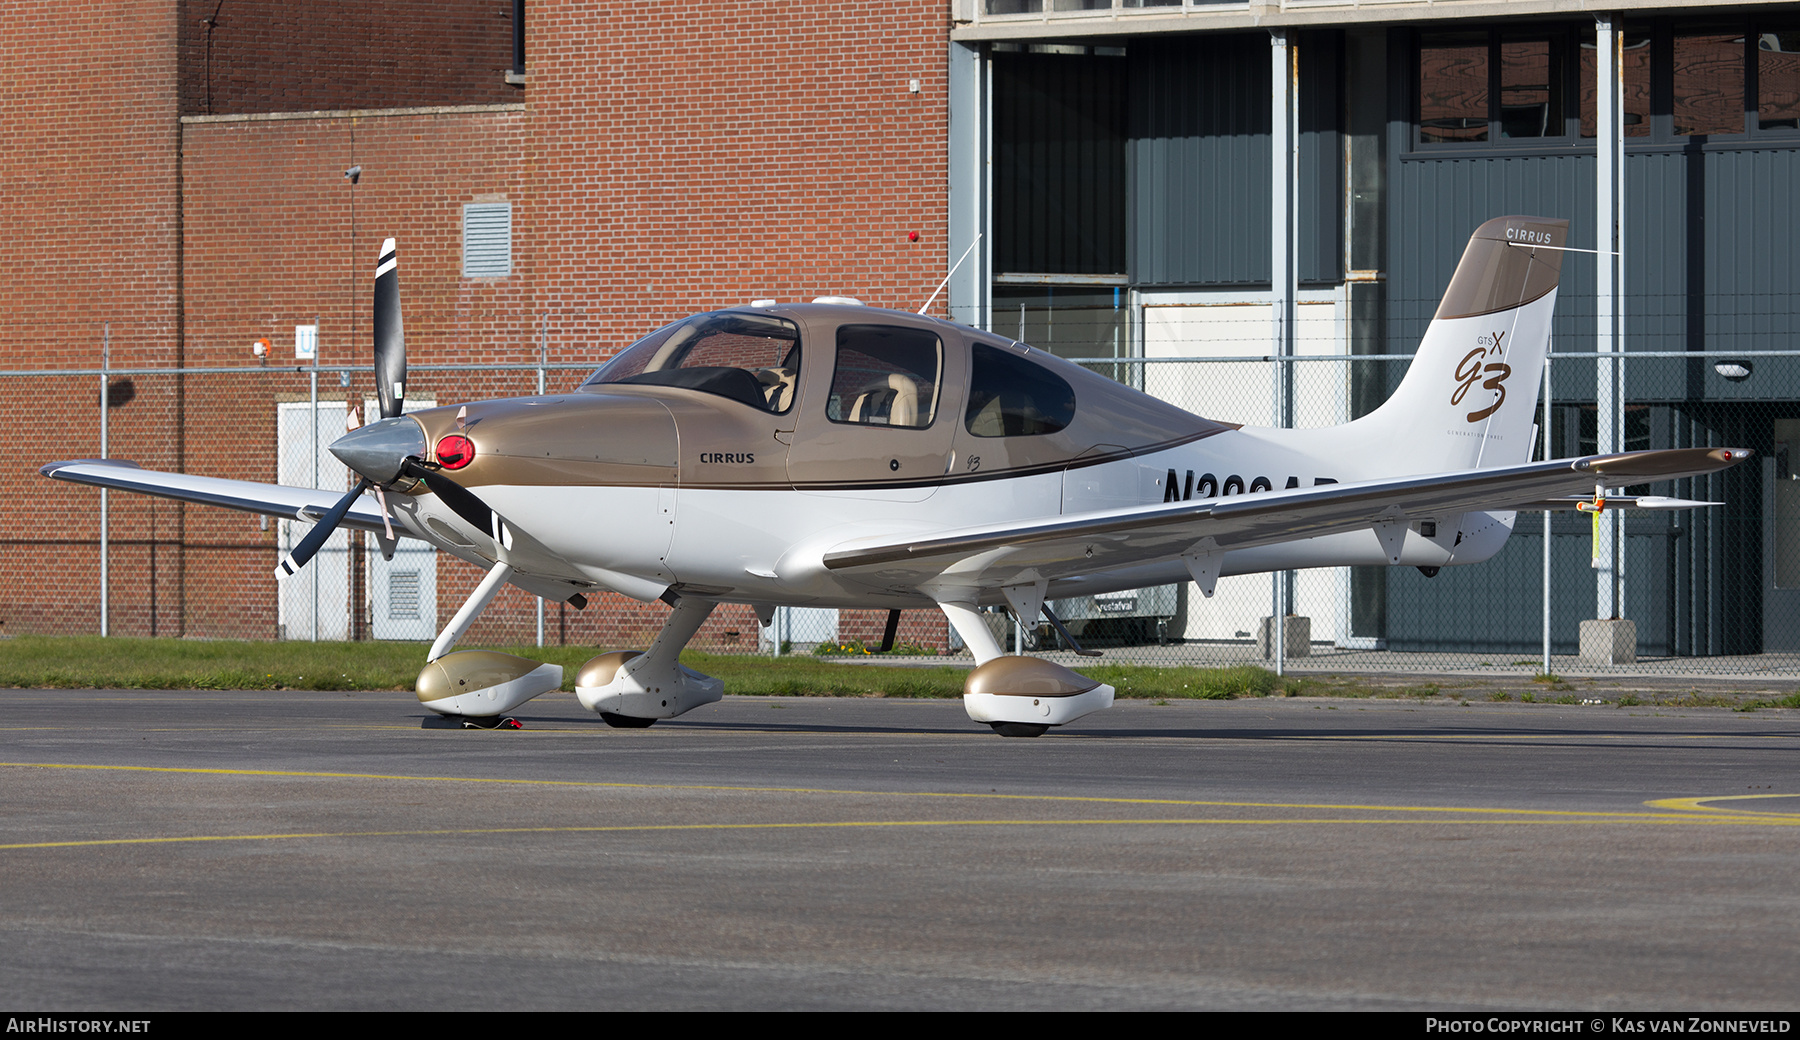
(481,683)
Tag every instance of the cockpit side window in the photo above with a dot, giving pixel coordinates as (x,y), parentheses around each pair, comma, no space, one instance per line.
(1012,396)
(886,375)
(750,358)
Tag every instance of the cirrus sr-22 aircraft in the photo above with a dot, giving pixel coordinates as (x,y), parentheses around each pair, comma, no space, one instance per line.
(835,455)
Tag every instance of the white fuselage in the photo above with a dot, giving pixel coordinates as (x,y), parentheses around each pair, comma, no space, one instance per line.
(766,545)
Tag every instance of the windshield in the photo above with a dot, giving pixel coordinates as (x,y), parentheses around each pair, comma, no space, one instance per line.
(753,359)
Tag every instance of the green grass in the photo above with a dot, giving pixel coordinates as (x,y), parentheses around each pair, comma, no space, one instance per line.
(1792,700)
(177,664)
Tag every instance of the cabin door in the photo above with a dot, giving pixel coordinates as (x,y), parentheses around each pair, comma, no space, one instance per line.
(879,422)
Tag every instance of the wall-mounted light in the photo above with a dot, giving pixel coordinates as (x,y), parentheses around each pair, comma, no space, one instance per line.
(1736,371)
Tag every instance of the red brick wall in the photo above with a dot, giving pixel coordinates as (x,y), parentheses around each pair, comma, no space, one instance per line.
(88,235)
(692,157)
(688,158)
(312,55)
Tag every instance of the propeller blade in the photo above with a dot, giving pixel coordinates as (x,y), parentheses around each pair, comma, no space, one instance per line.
(390,337)
(315,538)
(463,503)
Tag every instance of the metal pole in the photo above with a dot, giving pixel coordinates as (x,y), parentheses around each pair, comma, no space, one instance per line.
(985,276)
(1617,143)
(1284,104)
(1608,137)
(1546,456)
(105,545)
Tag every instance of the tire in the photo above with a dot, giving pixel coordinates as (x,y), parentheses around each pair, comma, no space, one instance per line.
(1019,729)
(625,721)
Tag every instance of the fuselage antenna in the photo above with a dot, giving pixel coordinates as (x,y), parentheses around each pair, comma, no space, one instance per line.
(952,274)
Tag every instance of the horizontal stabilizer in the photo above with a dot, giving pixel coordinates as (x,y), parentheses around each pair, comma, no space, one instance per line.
(1651,502)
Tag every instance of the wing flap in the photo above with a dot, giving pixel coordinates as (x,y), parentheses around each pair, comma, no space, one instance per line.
(246,496)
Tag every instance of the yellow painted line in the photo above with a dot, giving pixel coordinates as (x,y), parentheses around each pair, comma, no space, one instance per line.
(816,825)
(1683,813)
(1704,805)
(1551,736)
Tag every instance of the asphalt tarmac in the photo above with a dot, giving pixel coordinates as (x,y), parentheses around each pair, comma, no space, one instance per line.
(231,850)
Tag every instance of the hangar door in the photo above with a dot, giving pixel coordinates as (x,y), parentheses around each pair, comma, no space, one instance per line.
(315,603)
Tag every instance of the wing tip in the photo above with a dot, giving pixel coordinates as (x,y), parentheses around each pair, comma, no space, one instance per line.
(49,469)
(1662,463)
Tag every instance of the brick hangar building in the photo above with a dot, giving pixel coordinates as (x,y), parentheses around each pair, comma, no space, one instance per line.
(175,189)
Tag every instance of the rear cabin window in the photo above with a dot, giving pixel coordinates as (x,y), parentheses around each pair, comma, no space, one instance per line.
(1013,396)
(753,359)
(885,376)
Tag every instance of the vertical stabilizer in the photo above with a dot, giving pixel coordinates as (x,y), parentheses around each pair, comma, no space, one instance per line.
(1469,397)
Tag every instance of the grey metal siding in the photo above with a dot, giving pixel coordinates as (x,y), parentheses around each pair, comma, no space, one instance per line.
(1436,203)
(1711,261)
(1198,142)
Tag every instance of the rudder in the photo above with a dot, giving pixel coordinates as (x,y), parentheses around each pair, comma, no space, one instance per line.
(1468,397)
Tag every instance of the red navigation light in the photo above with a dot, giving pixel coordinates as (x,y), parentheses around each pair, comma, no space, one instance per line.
(455,451)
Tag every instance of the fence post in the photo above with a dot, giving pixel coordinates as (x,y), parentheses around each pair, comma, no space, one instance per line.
(543,359)
(313,450)
(105,546)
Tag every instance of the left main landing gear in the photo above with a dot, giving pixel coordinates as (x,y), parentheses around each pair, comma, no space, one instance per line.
(1019,696)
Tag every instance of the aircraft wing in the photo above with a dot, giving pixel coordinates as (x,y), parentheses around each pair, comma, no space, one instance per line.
(1086,543)
(247,496)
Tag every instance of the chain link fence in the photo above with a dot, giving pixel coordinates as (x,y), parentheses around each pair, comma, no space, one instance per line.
(1710,591)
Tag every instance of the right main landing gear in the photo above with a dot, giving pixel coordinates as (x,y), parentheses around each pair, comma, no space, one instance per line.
(630,690)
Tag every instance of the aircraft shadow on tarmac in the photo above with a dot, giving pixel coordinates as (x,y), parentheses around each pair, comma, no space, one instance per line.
(1561,736)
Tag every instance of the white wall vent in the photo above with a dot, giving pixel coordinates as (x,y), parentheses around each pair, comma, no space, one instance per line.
(487,239)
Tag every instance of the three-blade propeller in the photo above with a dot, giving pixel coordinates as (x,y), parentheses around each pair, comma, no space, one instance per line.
(390,337)
(374,443)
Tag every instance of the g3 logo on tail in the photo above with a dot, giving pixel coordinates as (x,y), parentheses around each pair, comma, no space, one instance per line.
(1470,369)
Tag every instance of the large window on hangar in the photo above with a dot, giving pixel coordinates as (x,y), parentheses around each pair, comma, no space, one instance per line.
(1737,76)
(1061,197)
